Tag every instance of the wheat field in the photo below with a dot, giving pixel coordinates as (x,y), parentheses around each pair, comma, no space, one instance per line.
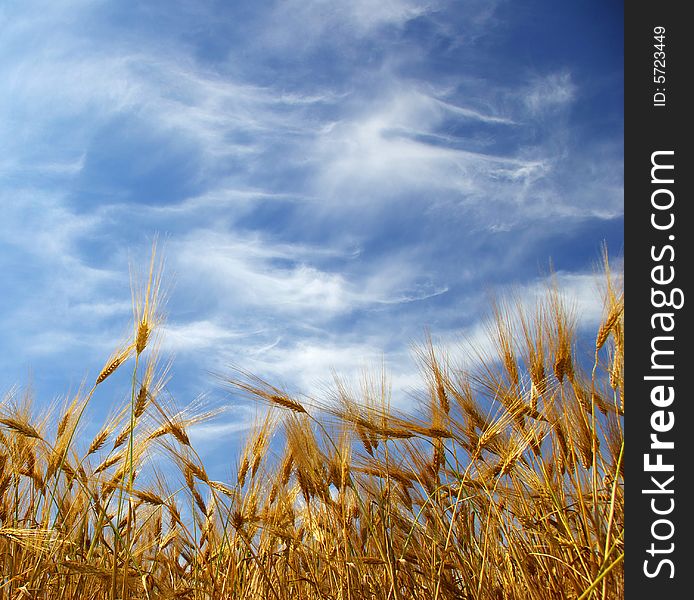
(506,483)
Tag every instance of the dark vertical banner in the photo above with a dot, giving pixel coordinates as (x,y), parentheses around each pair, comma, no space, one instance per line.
(658,262)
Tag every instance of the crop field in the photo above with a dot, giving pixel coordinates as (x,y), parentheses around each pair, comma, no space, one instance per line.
(507,482)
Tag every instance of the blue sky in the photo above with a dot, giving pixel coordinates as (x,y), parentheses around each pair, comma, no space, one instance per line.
(327,178)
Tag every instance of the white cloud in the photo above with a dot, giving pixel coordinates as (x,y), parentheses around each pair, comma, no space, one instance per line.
(384,151)
(196,335)
(309,366)
(256,272)
(471,113)
(53,228)
(368,15)
(549,93)
(302,24)
(245,270)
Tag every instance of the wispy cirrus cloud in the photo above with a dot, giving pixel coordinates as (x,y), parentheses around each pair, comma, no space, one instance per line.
(546,94)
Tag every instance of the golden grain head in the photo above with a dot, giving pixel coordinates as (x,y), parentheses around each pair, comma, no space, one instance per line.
(115,361)
(21,427)
(142,336)
(98,441)
(286,402)
(609,324)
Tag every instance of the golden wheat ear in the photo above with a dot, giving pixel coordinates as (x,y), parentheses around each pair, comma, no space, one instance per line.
(117,358)
(147,298)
